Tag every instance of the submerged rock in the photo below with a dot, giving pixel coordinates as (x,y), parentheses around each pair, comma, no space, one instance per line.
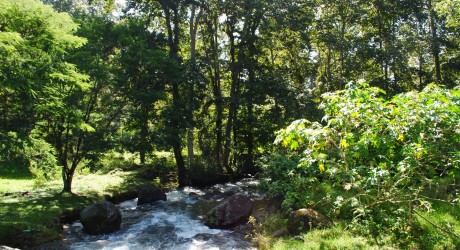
(231,212)
(303,220)
(103,217)
(149,194)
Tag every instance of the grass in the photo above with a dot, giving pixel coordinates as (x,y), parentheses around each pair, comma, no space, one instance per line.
(440,228)
(29,214)
(333,238)
(437,229)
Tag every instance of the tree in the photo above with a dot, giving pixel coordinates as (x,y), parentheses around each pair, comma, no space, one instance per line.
(144,70)
(170,14)
(450,9)
(34,51)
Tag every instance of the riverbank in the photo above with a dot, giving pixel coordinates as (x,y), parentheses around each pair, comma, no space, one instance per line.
(30,215)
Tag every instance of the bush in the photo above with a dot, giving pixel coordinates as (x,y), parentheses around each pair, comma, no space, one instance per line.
(29,154)
(385,155)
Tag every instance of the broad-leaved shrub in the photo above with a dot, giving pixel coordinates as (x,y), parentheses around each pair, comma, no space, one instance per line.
(388,155)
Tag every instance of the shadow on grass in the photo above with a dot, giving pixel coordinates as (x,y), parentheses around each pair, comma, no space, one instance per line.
(14,171)
(28,221)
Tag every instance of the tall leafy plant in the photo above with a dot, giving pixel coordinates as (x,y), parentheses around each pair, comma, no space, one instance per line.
(387,156)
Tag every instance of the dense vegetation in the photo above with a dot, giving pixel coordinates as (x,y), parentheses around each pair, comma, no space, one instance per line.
(85,83)
(377,163)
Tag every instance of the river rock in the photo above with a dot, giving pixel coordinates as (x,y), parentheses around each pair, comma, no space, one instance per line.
(303,220)
(103,217)
(149,194)
(234,210)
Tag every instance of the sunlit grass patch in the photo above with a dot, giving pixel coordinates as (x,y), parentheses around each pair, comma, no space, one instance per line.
(337,237)
(439,228)
(8,186)
(98,184)
(333,238)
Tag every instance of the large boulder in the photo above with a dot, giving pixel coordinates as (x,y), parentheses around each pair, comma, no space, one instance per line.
(149,194)
(303,220)
(103,217)
(233,211)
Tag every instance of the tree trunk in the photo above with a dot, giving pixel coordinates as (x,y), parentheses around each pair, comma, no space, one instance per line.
(67,181)
(217,92)
(420,56)
(191,94)
(67,177)
(235,72)
(144,134)
(173,43)
(434,42)
(181,170)
(249,140)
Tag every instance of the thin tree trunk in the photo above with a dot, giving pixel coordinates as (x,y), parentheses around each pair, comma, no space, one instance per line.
(67,178)
(420,56)
(144,133)
(191,94)
(434,42)
(234,68)
(249,161)
(217,92)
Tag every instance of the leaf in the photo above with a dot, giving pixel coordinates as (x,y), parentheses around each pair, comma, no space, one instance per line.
(87,128)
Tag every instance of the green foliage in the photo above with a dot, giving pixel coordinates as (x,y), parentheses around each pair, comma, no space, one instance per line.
(11,148)
(334,238)
(42,160)
(261,234)
(42,91)
(113,160)
(444,215)
(385,155)
(451,9)
(30,154)
(143,70)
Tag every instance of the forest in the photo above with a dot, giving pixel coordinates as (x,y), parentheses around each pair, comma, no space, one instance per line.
(349,107)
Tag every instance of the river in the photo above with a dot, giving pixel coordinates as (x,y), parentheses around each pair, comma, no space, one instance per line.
(173,224)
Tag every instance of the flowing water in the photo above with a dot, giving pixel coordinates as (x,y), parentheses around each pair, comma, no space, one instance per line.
(172,224)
